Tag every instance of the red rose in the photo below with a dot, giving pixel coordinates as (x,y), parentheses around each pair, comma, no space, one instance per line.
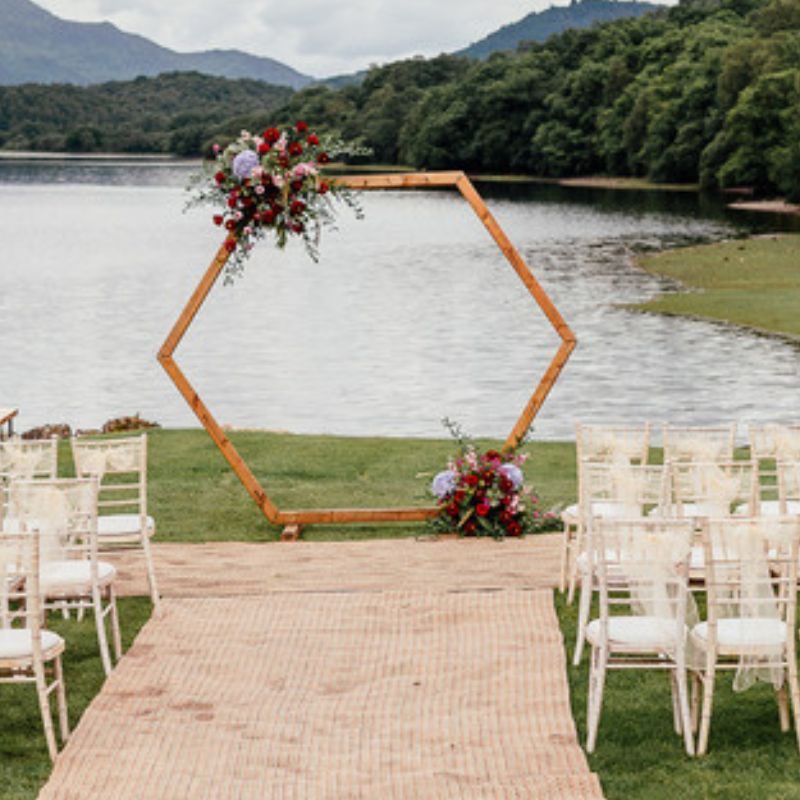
(471,480)
(482,509)
(230,245)
(492,455)
(452,510)
(313,139)
(323,187)
(514,529)
(323,158)
(298,227)
(219,177)
(302,127)
(283,160)
(218,219)
(459,496)
(232,201)
(268,216)
(297,207)
(264,147)
(296,186)
(295,148)
(230,224)
(469,527)
(271,135)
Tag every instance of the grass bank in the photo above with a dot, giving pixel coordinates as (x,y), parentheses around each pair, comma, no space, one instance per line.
(754,283)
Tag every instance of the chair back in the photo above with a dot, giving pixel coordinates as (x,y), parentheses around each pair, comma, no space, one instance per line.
(788,479)
(63,511)
(643,566)
(621,489)
(751,582)
(28,458)
(770,444)
(712,489)
(699,443)
(120,466)
(20,596)
(622,443)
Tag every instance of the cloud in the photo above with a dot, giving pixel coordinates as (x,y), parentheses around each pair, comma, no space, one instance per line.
(318,37)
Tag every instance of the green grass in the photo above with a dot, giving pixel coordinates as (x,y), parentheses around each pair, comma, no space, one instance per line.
(754,283)
(639,757)
(24,762)
(195,496)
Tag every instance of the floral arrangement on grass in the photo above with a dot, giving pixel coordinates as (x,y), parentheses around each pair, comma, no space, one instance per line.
(273,183)
(484,494)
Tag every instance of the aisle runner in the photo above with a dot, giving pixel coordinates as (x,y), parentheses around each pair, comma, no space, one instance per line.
(335,695)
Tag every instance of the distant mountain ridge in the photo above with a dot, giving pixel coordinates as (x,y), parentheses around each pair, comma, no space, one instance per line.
(536,27)
(39,47)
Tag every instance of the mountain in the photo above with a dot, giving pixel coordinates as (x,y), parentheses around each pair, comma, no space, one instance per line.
(39,47)
(537,27)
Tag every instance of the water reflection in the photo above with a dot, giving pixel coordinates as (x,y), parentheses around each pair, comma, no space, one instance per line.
(411,315)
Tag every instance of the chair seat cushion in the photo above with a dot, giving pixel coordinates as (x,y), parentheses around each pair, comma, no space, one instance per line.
(123,525)
(770,508)
(645,633)
(745,633)
(65,576)
(16,643)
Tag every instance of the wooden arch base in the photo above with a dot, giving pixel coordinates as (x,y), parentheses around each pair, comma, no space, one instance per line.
(293,520)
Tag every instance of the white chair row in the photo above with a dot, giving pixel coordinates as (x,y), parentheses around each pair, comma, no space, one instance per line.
(631,444)
(119,464)
(648,619)
(679,490)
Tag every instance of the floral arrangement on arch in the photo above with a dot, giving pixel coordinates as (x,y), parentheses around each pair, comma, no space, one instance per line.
(484,494)
(273,182)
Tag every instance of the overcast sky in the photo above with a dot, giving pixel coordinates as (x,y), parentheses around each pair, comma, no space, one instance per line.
(317,37)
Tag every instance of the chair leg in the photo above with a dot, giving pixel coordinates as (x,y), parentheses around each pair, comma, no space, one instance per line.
(584,607)
(100,624)
(676,708)
(116,638)
(565,547)
(708,700)
(151,572)
(782,696)
(44,708)
(597,680)
(685,714)
(695,701)
(61,699)
(577,543)
(794,694)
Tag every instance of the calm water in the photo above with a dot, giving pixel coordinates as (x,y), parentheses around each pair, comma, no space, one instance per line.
(411,315)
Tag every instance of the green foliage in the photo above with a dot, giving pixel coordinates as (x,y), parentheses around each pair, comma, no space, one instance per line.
(176,113)
(706,90)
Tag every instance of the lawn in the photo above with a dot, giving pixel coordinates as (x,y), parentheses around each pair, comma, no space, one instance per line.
(754,283)
(195,496)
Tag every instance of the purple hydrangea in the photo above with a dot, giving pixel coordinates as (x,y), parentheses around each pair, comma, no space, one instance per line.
(244,164)
(513,473)
(444,483)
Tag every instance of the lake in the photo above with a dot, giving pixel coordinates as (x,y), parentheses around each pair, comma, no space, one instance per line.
(411,315)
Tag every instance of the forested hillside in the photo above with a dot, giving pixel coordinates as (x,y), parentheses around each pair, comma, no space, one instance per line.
(708,90)
(174,113)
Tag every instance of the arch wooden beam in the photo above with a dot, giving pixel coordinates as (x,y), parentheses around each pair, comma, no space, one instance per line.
(299,517)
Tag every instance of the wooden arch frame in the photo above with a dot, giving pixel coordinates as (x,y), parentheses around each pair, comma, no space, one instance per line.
(299,517)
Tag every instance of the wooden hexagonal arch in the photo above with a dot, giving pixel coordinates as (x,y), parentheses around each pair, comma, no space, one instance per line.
(336,515)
